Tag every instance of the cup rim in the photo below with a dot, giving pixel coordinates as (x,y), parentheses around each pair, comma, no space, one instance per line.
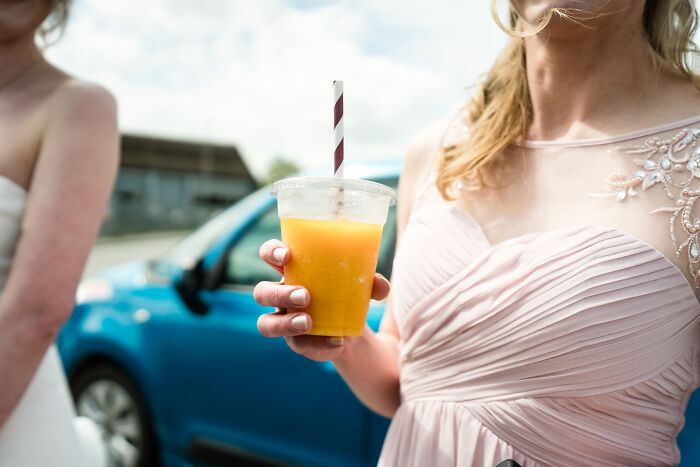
(351,184)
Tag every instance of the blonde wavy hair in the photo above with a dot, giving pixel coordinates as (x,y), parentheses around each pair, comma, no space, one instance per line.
(501,109)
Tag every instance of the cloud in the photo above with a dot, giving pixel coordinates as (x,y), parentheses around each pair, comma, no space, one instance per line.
(258,74)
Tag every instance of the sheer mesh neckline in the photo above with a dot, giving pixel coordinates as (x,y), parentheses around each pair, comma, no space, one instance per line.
(609,139)
(657,158)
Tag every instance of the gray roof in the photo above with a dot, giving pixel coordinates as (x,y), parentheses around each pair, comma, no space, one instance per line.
(160,153)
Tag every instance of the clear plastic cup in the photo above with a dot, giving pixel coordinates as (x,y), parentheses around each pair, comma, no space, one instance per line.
(333,228)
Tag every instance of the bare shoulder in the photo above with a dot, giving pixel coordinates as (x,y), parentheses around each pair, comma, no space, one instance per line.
(81,99)
(420,154)
(418,161)
(83,113)
(80,129)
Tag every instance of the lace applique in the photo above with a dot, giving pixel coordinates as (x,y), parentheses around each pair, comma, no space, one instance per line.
(674,164)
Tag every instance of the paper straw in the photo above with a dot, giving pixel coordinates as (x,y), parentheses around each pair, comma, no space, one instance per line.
(338,129)
(338,155)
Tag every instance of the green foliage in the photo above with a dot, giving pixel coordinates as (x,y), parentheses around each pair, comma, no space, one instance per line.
(278,169)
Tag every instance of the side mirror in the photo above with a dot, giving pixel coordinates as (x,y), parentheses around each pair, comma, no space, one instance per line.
(188,287)
(216,273)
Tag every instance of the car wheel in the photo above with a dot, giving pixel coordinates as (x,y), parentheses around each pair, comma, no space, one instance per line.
(107,396)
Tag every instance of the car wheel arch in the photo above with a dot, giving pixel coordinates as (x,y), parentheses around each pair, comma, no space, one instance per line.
(94,360)
(101,363)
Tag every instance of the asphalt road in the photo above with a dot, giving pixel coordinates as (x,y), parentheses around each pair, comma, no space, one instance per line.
(111,251)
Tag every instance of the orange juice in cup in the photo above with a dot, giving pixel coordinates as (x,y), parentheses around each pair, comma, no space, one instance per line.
(333,228)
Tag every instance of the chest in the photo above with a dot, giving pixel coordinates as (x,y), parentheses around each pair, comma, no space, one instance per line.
(21,128)
(547,190)
(543,190)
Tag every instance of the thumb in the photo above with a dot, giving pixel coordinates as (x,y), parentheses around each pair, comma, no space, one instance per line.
(380,287)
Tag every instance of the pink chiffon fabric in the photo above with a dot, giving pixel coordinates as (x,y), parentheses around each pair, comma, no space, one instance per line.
(578,346)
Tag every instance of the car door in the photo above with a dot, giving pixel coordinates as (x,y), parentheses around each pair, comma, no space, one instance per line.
(254,393)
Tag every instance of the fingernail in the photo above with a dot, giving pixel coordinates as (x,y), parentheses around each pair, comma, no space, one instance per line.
(279,254)
(298,297)
(300,323)
(336,340)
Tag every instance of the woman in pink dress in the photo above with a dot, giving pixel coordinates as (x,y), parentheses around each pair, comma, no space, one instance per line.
(544,298)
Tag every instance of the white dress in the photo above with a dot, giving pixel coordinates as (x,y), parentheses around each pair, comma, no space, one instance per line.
(40,431)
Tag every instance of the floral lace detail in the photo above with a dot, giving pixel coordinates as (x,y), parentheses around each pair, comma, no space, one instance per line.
(674,164)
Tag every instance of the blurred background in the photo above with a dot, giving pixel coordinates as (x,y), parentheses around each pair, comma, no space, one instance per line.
(220,96)
(217,99)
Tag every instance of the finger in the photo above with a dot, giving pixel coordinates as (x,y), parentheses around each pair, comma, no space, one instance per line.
(319,348)
(274,253)
(280,296)
(280,324)
(381,287)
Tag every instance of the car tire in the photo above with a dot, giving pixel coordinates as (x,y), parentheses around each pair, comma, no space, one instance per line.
(108,396)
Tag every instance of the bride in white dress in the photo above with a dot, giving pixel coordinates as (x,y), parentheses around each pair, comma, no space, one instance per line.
(58,159)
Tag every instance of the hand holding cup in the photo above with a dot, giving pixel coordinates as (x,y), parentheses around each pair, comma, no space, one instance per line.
(289,320)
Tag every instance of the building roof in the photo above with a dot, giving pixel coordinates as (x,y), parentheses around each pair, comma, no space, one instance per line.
(160,153)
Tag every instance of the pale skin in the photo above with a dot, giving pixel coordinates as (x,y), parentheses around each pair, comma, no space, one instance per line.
(585,81)
(60,142)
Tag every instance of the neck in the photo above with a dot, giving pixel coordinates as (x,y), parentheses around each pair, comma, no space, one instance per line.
(580,83)
(16,58)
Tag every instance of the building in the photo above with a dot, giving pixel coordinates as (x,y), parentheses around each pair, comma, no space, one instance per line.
(165,184)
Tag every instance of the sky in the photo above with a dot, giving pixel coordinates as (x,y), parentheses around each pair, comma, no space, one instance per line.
(258,74)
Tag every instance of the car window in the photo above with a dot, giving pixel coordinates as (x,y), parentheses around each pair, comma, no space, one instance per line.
(244,264)
(189,250)
(246,268)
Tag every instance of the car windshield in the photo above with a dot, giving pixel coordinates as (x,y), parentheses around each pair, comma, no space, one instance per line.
(189,250)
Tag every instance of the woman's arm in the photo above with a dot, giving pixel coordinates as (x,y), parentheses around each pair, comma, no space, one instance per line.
(70,185)
(369,364)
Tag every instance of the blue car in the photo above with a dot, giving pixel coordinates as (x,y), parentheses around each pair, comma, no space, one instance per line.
(166,357)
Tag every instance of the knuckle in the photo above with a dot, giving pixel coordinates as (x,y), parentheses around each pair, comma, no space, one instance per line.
(279,327)
(277,295)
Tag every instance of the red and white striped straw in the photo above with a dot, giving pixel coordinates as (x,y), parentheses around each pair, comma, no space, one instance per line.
(338,129)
